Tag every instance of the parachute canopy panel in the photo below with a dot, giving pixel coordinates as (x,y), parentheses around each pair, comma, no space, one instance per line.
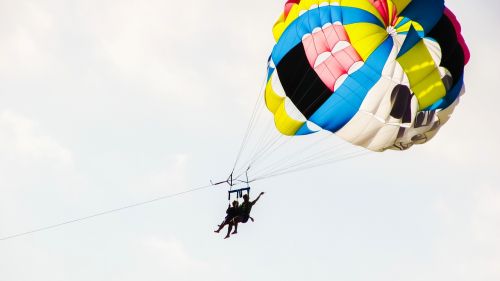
(381,74)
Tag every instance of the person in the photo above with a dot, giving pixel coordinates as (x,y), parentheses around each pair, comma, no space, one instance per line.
(231,213)
(243,214)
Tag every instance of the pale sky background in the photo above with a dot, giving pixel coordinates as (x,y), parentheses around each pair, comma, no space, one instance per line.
(106,103)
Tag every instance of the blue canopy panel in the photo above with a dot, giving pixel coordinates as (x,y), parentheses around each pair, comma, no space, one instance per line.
(419,11)
(345,102)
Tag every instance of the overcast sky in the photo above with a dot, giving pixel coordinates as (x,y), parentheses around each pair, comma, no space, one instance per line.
(106,103)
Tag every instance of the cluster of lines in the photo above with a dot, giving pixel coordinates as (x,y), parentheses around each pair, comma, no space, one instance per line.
(265,153)
(259,154)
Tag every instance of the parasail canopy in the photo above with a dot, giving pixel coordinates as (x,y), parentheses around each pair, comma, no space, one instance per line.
(380,74)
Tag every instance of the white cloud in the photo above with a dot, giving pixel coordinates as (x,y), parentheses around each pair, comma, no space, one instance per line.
(161,44)
(169,259)
(183,52)
(25,29)
(31,162)
(21,142)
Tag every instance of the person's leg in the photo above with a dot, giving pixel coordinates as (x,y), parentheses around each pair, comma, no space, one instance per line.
(235,227)
(234,223)
(221,226)
(243,219)
(229,230)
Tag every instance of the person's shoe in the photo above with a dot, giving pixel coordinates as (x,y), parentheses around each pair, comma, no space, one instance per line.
(227,236)
(234,232)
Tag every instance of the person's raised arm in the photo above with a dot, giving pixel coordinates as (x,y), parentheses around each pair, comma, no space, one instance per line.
(257,199)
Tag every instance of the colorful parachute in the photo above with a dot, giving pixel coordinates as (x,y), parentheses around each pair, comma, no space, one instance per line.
(381,74)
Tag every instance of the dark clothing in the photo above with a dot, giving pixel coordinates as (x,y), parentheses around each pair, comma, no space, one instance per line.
(244,211)
(246,208)
(231,212)
(244,218)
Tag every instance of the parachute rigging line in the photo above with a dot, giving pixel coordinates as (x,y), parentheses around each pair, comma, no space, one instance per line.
(268,143)
(170,196)
(251,124)
(107,212)
(302,166)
